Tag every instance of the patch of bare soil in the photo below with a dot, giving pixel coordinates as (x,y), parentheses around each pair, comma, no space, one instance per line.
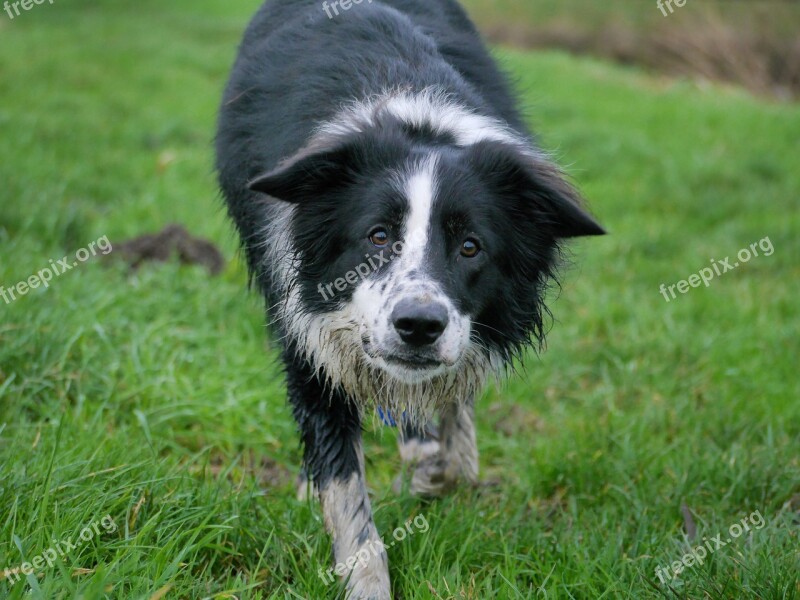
(171,242)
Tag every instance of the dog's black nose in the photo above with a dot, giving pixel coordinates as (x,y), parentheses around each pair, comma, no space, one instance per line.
(419,324)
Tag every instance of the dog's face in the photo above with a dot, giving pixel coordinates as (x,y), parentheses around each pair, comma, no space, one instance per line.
(423,255)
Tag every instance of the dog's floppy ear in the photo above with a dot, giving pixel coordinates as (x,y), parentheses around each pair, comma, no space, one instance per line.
(308,173)
(538,184)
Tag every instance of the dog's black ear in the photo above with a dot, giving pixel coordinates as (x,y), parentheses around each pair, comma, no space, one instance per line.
(539,185)
(307,174)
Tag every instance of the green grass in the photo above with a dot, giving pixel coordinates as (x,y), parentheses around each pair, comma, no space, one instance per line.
(156,398)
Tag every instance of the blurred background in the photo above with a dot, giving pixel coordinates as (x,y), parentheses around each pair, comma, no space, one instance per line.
(752,43)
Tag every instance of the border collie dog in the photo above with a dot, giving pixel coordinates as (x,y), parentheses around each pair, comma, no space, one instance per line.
(403,227)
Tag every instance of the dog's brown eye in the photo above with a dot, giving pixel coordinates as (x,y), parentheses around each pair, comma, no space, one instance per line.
(470,248)
(379,238)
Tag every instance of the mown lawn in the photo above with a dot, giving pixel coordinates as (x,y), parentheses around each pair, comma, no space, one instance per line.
(154,398)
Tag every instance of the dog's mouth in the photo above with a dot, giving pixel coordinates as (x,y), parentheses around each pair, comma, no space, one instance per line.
(408,367)
(414,363)
(412,369)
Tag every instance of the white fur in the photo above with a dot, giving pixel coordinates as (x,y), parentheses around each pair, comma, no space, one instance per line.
(414,450)
(420,190)
(419,186)
(346,510)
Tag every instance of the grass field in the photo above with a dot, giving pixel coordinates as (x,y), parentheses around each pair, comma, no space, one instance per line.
(154,398)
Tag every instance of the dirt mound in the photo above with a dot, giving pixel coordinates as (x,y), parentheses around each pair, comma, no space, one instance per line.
(172,241)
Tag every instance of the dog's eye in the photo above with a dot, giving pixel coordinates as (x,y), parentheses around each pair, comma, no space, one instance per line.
(379,237)
(470,248)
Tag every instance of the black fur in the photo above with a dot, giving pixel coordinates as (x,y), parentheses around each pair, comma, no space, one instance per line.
(329,429)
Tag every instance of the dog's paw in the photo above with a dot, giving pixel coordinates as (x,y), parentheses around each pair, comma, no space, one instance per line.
(433,476)
(365,591)
(370,582)
(438,474)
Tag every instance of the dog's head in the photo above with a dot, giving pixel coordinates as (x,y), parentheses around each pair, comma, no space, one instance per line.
(418,252)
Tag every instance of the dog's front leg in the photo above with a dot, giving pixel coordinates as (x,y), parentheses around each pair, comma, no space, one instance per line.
(455,459)
(330,427)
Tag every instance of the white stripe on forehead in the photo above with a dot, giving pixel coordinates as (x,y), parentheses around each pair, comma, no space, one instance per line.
(420,190)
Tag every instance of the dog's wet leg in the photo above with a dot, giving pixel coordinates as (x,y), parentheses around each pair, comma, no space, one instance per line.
(456,460)
(330,427)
